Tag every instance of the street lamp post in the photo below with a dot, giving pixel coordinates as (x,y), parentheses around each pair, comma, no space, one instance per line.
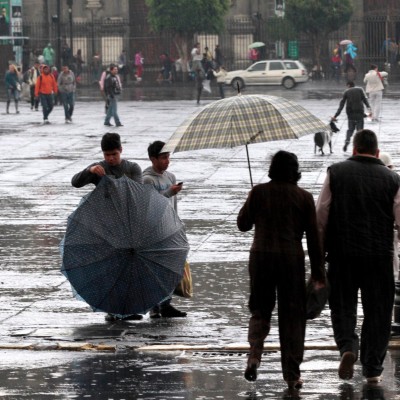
(69,3)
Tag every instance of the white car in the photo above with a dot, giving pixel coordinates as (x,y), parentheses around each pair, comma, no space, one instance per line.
(269,72)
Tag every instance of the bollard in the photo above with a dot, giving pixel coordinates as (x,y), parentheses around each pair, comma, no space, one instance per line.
(396,312)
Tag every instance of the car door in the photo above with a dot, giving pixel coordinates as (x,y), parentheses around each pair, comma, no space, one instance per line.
(276,72)
(256,73)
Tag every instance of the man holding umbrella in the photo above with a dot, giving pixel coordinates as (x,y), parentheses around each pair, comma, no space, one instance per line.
(165,183)
(116,167)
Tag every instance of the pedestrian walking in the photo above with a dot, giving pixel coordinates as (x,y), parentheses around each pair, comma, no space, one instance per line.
(139,61)
(115,166)
(220,75)
(33,75)
(165,183)
(13,87)
(103,77)
(374,89)
(67,88)
(356,212)
(199,78)
(49,55)
(281,213)
(45,90)
(112,89)
(355,99)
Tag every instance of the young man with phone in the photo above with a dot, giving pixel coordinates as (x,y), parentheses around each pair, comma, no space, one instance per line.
(165,183)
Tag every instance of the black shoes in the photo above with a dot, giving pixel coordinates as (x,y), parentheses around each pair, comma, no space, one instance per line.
(133,317)
(108,124)
(251,371)
(119,124)
(167,312)
(345,147)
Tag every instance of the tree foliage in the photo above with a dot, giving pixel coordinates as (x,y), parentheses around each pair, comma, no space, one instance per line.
(186,17)
(318,18)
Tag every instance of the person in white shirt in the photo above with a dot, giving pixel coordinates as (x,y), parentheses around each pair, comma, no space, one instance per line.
(374,89)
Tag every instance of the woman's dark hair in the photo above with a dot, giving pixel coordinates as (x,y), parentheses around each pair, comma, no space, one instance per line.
(284,167)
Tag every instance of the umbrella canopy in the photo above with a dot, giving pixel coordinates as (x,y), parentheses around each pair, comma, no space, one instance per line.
(241,120)
(256,44)
(345,42)
(125,247)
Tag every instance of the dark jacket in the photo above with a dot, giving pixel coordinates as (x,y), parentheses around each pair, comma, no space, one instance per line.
(354,98)
(361,216)
(282,212)
(128,168)
(112,86)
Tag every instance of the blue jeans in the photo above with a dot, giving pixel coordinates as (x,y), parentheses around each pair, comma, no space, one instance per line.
(68,100)
(112,111)
(47,102)
(12,94)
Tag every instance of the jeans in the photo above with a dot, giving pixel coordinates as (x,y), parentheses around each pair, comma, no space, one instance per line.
(112,111)
(12,94)
(221,89)
(47,102)
(354,124)
(68,100)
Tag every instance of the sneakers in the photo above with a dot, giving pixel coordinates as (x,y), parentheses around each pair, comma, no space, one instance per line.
(108,124)
(251,371)
(68,120)
(374,379)
(46,121)
(346,367)
(133,317)
(119,124)
(171,312)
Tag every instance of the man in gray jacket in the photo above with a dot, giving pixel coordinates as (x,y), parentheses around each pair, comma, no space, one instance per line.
(354,98)
(67,87)
(165,183)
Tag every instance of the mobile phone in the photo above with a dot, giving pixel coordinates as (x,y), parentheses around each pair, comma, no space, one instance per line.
(180,183)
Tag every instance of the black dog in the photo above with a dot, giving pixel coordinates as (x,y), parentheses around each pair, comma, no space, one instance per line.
(323,138)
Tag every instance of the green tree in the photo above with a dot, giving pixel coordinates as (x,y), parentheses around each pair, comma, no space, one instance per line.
(184,18)
(317,19)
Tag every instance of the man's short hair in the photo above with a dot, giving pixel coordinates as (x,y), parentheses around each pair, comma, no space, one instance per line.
(350,83)
(284,167)
(154,149)
(365,142)
(110,141)
(373,66)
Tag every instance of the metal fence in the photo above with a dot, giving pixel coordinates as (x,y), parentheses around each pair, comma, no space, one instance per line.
(110,37)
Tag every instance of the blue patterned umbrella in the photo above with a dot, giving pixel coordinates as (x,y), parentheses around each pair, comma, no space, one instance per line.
(125,247)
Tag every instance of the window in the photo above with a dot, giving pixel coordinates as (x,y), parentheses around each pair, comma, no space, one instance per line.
(258,67)
(291,65)
(275,66)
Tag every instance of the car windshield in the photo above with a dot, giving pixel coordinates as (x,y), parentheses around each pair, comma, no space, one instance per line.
(291,65)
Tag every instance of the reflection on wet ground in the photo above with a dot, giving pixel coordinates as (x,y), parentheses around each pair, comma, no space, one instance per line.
(179,375)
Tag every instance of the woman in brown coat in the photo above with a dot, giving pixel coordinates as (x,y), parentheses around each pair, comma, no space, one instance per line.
(281,213)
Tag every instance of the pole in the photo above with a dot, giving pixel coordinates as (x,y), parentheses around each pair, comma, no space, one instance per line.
(69,2)
(59,35)
(248,162)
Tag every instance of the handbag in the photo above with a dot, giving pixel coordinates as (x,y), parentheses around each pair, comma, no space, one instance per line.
(18,87)
(185,286)
(316,299)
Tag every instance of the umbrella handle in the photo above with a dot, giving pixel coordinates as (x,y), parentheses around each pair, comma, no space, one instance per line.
(248,162)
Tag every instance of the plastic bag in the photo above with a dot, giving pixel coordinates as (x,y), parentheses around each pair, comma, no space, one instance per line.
(185,286)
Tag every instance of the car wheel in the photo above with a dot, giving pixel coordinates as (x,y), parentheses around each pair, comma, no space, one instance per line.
(237,81)
(289,83)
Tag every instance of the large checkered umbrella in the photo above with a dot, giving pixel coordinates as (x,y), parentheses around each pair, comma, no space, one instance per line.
(125,247)
(241,120)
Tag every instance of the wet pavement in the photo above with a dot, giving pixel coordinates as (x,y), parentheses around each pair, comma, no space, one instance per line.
(54,346)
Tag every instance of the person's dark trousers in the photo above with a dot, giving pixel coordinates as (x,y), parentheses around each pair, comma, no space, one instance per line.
(373,276)
(46,100)
(34,100)
(199,90)
(357,125)
(283,274)
(221,89)
(68,100)
(112,111)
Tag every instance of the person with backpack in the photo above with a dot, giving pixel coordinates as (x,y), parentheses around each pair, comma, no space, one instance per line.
(45,89)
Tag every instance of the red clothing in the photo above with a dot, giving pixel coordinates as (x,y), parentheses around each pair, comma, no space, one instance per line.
(46,84)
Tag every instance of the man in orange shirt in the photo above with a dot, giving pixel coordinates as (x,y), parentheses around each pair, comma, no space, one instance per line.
(46,87)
